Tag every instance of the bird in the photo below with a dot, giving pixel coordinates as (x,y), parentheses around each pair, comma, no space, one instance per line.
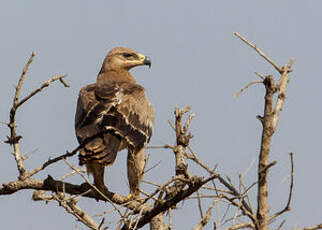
(113,114)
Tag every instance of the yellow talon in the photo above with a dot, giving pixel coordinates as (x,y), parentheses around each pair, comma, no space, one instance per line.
(131,197)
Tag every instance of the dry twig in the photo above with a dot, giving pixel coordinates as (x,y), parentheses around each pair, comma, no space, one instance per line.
(315,227)
(288,204)
(205,219)
(277,67)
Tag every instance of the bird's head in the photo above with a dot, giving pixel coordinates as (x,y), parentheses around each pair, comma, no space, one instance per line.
(121,58)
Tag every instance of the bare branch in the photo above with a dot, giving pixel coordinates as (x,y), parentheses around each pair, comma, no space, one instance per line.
(246,208)
(51,161)
(195,184)
(242,207)
(64,82)
(152,167)
(277,67)
(241,226)
(269,122)
(260,75)
(281,87)
(93,186)
(288,204)
(187,123)
(200,205)
(160,147)
(170,219)
(14,138)
(21,80)
(70,205)
(318,226)
(281,225)
(182,140)
(264,165)
(205,219)
(196,159)
(157,223)
(245,87)
(235,192)
(44,85)
(58,186)
(241,182)
(171,125)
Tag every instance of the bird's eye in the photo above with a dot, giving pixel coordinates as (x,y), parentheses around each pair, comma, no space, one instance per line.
(127,55)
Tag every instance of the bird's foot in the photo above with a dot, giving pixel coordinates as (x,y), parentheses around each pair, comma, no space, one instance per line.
(133,197)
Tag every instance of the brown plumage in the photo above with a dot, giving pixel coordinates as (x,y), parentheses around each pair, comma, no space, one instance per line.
(113,114)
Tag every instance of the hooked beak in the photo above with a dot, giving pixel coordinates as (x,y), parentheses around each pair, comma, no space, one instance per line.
(147,61)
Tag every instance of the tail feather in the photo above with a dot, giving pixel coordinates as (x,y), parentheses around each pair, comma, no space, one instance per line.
(102,150)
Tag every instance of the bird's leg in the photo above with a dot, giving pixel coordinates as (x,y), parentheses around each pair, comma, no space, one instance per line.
(135,166)
(97,169)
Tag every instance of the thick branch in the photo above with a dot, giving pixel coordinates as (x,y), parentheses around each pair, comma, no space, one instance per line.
(157,223)
(263,162)
(58,186)
(49,184)
(181,171)
(182,139)
(196,184)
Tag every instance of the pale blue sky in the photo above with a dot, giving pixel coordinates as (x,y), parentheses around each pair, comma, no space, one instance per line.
(196,61)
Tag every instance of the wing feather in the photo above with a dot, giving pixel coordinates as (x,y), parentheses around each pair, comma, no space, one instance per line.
(112,116)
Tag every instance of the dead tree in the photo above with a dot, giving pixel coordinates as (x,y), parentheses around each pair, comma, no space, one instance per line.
(154,206)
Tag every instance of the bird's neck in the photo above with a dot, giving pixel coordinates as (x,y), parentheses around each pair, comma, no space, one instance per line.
(115,76)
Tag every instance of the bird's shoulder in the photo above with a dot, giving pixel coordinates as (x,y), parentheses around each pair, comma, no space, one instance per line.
(131,102)
(109,90)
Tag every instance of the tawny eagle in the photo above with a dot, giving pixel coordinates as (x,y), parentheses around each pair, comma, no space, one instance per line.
(114,114)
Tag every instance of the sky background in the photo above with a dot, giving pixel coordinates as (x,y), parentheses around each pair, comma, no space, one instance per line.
(196,61)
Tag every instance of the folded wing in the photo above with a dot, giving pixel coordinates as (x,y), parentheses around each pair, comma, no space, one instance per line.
(110,117)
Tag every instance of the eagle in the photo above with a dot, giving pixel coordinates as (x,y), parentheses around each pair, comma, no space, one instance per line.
(115,114)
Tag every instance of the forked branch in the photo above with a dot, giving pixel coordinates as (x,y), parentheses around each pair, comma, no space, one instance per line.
(269,122)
